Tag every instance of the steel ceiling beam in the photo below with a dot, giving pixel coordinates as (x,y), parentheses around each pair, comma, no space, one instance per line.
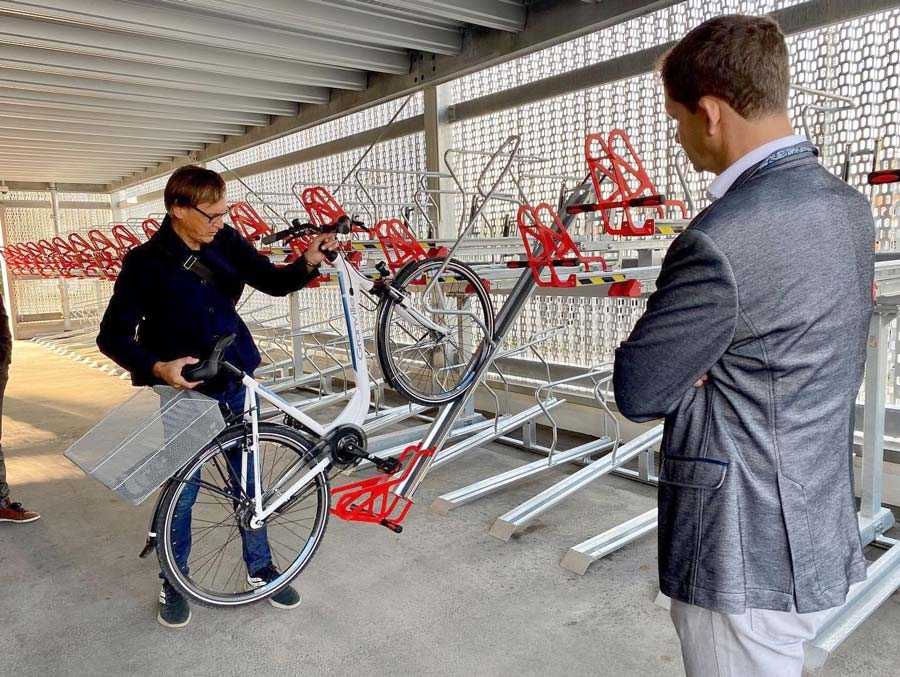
(113,120)
(502,15)
(44,146)
(25,156)
(75,177)
(40,186)
(84,159)
(550,22)
(155,22)
(154,75)
(18,30)
(363,22)
(7,166)
(63,84)
(118,141)
(82,128)
(118,107)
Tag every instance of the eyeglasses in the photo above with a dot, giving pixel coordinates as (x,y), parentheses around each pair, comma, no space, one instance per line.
(210,217)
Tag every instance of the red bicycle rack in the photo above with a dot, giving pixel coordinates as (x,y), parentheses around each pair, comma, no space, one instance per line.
(400,245)
(629,185)
(882,176)
(125,238)
(107,253)
(322,208)
(96,255)
(91,263)
(26,263)
(45,255)
(370,500)
(149,226)
(321,205)
(68,256)
(547,245)
(248,220)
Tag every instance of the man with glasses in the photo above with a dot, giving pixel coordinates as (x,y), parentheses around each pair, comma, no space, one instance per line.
(175,296)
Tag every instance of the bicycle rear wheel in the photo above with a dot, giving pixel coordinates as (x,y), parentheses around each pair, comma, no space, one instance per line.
(427,365)
(204,507)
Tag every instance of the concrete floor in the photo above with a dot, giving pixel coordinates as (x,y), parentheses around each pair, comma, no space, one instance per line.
(444,598)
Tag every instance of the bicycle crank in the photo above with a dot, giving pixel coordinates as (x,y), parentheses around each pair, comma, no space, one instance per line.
(348,448)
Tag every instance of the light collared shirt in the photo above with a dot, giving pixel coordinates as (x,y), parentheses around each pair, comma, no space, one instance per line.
(723,181)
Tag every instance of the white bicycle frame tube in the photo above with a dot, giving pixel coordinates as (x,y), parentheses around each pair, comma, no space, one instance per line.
(350,281)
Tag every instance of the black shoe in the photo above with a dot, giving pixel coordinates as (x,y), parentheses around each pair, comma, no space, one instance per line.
(174,610)
(286,598)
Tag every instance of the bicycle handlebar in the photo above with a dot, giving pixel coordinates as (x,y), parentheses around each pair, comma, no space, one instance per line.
(342,226)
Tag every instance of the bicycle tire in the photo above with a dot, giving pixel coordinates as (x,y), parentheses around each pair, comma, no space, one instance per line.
(394,372)
(234,435)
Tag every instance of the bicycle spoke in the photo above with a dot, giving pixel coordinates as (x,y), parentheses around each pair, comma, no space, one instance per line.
(211,556)
(216,562)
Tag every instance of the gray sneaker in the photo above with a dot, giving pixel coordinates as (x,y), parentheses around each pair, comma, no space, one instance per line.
(286,598)
(174,610)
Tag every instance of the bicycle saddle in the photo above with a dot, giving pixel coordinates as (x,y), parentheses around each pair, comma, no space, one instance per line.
(203,371)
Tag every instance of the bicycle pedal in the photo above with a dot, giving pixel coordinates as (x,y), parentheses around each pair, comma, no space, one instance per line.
(393,526)
(387,465)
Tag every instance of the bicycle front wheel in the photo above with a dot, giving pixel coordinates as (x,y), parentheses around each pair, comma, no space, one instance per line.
(432,340)
(206,545)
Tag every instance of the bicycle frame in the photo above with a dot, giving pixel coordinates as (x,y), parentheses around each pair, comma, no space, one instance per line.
(350,283)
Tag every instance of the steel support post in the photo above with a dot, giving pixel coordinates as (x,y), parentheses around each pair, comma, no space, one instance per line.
(9,295)
(874,518)
(883,577)
(438,138)
(63,291)
(297,344)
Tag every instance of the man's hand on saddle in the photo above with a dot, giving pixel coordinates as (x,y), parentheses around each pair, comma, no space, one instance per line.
(170,372)
(319,246)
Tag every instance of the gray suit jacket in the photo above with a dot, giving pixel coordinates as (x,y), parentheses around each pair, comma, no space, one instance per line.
(769,291)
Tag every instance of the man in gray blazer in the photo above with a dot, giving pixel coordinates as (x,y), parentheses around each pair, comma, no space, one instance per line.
(752,348)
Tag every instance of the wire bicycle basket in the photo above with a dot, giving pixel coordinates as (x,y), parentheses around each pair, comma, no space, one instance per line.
(148,438)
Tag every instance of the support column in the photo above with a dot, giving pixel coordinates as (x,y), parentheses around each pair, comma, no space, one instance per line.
(874,518)
(438,138)
(297,345)
(118,214)
(9,295)
(63,291)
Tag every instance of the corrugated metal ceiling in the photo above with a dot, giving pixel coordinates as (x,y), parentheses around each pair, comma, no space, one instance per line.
(95,90)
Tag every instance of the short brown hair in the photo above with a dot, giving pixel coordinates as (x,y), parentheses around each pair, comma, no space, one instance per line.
(192,185)
(742,60)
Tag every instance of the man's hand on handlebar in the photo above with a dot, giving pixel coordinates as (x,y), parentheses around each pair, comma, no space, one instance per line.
(318,249)
(170,372)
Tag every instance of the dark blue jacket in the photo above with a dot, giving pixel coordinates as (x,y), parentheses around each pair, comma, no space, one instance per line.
(160,311)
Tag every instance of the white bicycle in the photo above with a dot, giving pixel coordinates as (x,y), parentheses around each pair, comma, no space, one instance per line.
(434,329)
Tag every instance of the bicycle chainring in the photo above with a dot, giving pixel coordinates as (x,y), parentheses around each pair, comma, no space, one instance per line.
(347,445)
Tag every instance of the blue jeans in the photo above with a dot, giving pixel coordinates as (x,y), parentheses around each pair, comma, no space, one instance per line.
(255,543)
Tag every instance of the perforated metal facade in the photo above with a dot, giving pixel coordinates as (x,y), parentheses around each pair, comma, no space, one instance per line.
(856,59)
